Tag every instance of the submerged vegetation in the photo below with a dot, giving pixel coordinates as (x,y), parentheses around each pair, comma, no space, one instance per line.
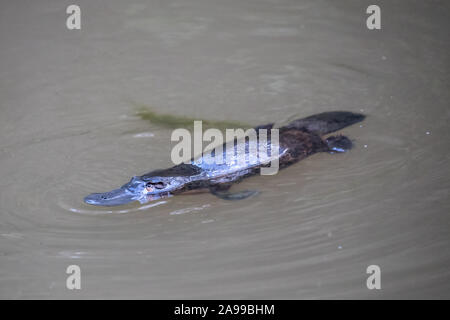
(179,121)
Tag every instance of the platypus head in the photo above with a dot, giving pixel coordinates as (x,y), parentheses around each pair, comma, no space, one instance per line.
(151,186)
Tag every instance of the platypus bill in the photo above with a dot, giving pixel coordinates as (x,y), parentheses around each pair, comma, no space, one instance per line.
(298,140)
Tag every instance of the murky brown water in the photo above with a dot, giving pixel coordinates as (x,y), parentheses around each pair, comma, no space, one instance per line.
(67,128)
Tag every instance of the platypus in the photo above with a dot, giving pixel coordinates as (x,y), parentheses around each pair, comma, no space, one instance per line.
(297,140)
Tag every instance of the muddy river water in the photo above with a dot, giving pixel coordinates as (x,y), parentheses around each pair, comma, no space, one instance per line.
(68,127)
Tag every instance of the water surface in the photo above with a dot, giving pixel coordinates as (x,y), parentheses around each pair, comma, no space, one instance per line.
(68,128)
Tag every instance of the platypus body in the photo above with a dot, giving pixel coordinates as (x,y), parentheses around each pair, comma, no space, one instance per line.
(297,140)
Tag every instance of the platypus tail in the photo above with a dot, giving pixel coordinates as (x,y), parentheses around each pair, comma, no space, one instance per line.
(326,122)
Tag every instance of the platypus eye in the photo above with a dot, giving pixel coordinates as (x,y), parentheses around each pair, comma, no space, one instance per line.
(157,185)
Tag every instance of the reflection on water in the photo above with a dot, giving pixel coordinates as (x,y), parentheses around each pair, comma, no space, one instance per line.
(116,211)
(67,130)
